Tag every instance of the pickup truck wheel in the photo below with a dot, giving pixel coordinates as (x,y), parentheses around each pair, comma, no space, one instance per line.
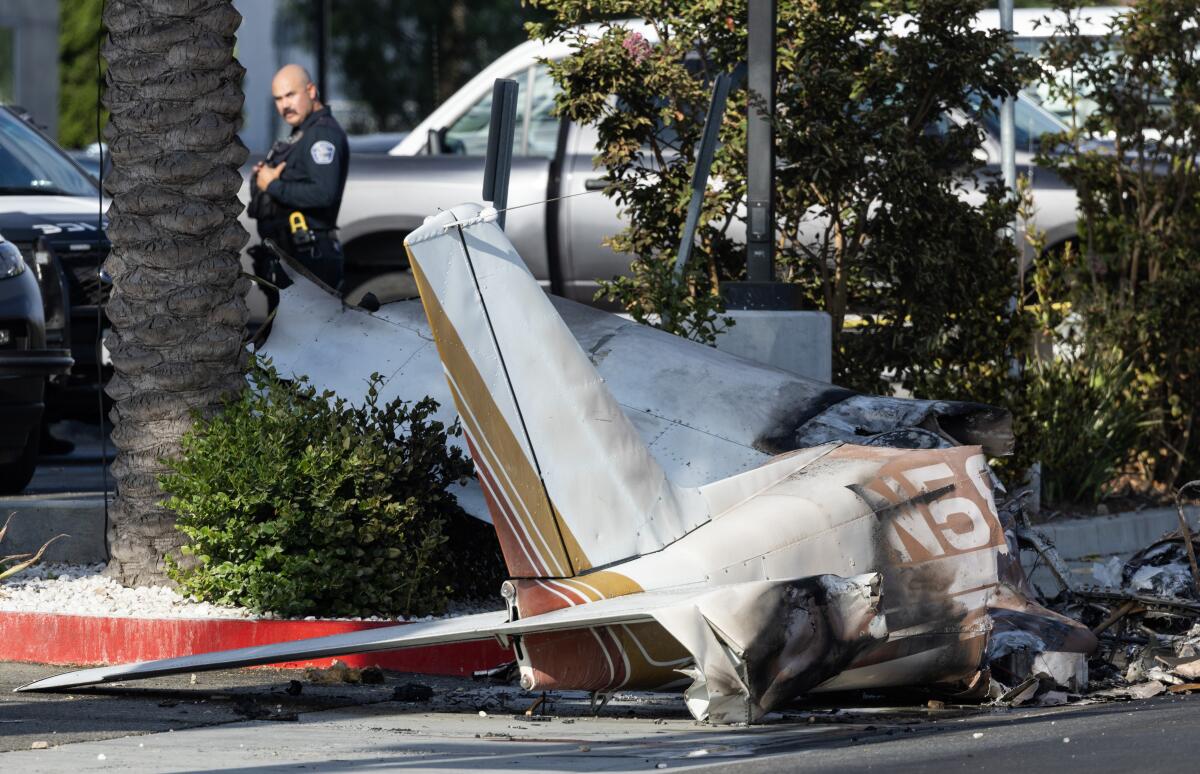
(393,286)
(16,475)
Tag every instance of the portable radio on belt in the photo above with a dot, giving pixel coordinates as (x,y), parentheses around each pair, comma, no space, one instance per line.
(301,236)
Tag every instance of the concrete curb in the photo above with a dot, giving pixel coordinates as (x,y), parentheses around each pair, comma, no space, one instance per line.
(46,638)
(1098,537)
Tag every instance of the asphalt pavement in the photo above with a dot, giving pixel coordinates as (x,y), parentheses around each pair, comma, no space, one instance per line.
(78,472)
(249,720)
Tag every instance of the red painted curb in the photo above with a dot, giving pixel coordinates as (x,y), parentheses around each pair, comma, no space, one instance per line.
(46,638)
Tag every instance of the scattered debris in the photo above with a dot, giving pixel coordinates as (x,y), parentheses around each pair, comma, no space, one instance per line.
(295,687)
(1184,688)
(1145,614)
(505,674)
(372,675)
(539,701)
(11,565)
(336,672)
(39,745)
(413,692)
(248,707)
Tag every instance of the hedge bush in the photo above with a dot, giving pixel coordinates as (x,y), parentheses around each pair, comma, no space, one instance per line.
(300,503)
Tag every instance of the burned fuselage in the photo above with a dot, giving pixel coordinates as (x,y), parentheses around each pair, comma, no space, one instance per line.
(924,521)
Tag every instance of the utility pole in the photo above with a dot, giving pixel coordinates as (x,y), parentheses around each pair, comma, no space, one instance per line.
(767,324)
(760,143)
(760,290)
(1008,121)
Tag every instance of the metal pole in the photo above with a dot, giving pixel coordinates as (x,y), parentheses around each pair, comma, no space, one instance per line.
(322,28)
(1008,142)
(760,143)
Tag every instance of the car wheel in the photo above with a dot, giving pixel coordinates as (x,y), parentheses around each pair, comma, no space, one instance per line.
(393,286)
(15,475)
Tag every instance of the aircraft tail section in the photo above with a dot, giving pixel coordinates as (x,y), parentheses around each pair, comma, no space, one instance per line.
(569,482)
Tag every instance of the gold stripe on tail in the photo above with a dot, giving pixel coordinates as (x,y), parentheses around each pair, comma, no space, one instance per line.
(501,452)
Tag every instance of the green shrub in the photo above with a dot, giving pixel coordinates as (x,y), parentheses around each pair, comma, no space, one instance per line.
(299,503)
(1080,417)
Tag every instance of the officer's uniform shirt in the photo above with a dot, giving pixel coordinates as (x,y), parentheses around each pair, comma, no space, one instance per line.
(315,175)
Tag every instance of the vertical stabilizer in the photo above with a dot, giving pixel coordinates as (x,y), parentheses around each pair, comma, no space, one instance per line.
(570,483)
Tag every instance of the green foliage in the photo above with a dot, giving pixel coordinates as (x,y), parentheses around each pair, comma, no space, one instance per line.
(648,106)
(1075,406)
(872,221)
(78,44)
(1079,418)
(873,204)
(299,503)
(1135,287)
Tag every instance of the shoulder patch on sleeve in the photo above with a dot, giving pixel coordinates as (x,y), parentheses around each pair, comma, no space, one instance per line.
(322,152)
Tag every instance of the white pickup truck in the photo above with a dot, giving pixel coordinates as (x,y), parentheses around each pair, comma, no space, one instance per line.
(440,164)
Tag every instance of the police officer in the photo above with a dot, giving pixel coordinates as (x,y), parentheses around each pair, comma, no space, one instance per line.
(297,190)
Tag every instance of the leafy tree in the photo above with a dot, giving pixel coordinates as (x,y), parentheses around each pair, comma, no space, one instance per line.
(874,201)
(648,103)
(79,33)
(873,215)
(177,308)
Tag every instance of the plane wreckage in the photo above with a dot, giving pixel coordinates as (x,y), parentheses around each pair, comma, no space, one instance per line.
(673,517)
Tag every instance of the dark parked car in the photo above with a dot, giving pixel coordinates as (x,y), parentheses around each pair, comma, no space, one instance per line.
(26,364)
(50,209)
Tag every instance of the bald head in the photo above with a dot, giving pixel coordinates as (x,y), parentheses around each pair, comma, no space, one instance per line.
(295,94)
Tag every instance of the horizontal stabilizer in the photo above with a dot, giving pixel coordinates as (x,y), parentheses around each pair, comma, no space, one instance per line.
(632,608)
(464,629)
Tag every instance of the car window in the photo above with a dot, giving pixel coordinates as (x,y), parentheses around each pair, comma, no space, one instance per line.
(30,164)
(467,136)
(543,124)
(1031,122)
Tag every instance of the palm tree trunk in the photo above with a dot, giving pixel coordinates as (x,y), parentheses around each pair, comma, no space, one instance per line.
(177,307)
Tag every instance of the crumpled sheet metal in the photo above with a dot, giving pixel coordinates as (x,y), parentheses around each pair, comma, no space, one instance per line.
(757,646)
(691,404)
